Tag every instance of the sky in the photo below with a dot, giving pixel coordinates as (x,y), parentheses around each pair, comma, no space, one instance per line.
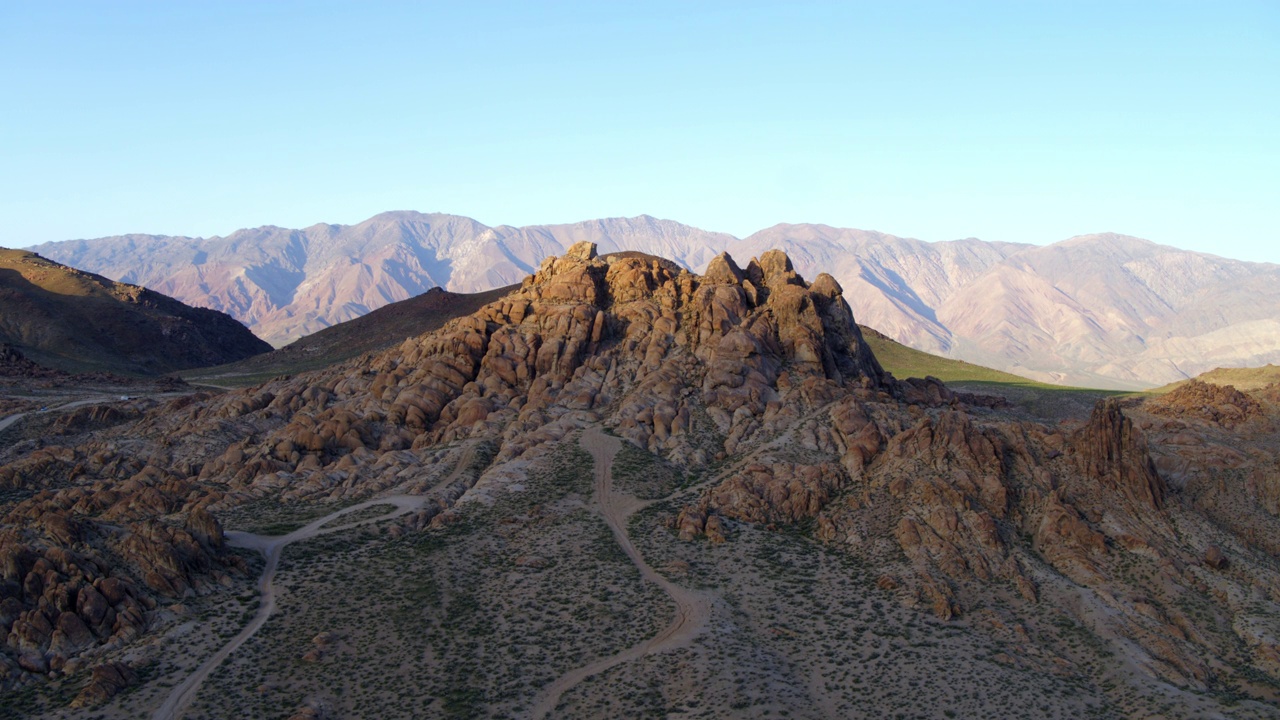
(1018,121)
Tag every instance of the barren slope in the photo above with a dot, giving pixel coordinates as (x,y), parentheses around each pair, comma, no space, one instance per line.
(73,320)
(898,283)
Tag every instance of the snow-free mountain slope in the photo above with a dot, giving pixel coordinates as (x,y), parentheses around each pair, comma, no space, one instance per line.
(1103,310)
(288,283)
(1117,308)
(898,283)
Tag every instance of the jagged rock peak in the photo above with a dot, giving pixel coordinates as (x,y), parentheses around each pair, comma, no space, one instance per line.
(773,269)
(722,270)
(1114,451)
(739,317)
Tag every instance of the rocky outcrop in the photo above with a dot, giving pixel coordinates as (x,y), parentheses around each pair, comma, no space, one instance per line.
(57,604)
(1222,405)
(1112,451)
(1068,542)
(765,494)
(93,417)
(82,567)
(581,331)
(106,682)
(1215,558)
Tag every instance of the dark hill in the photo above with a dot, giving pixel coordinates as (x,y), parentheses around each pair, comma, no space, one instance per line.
(378,330)
(77,321)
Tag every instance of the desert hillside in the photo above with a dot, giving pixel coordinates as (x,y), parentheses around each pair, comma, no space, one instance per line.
(73,320)
(626,489)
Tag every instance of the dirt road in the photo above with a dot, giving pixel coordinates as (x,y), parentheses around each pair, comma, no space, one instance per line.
(692,608)
(100,400)
(271,547)
(6,422)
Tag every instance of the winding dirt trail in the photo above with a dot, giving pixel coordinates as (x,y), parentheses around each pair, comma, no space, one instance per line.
(11,420)
(692,608)
(271,546)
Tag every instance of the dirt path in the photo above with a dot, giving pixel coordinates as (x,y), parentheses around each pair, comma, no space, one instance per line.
(271,547)
(464,461)
(96,400)
(692,609)
(75,404)
(11,420)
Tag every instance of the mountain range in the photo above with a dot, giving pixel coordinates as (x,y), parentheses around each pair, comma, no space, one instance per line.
(1102,310)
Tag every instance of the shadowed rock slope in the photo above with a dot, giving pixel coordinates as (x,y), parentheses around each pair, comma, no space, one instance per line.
(388,325)
(1128,555)
(73,320)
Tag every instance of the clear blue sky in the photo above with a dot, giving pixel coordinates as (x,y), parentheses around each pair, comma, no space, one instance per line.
(1017,121)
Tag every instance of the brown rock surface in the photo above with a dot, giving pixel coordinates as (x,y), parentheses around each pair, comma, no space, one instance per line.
(1219,404)
(1214,558)
(1112,450)
(106,681)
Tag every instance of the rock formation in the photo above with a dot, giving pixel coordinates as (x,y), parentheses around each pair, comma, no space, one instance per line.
(754,381)
(106,681)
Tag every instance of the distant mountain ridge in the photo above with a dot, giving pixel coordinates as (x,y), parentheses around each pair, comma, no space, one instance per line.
(286,283)
(1105,310)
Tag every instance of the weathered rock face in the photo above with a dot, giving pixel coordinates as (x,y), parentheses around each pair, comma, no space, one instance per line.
(92,417)
(956,504)
(579,335)
(81,567)
(1112,451)
(106,682)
